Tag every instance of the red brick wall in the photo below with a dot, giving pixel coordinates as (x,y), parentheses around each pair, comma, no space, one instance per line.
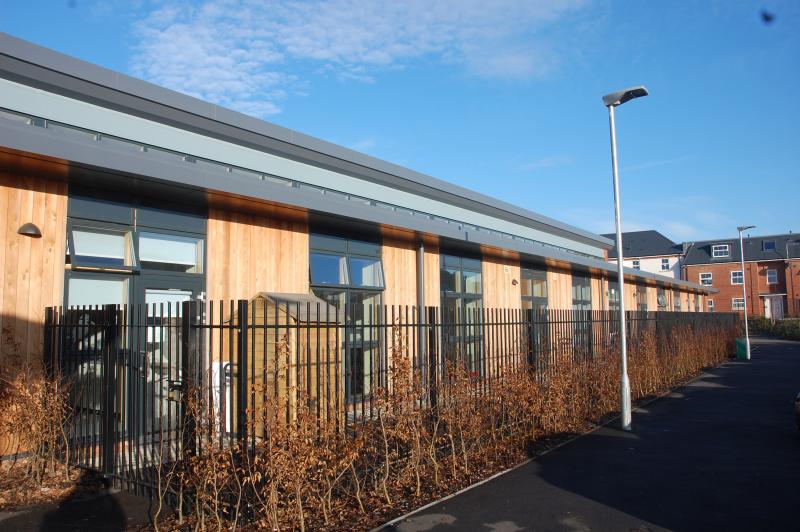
(756,273)
(793,288)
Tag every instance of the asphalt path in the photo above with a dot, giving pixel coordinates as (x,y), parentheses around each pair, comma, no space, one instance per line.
(721,453)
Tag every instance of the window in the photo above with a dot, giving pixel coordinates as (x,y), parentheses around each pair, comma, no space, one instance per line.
(91,290)
(676,299)
(461,284)
(711,305)
(167,252)
(737,303)
(348,274)
(533,287)
(720,251)
(772,276)
(664,265)
(662,300)
(98,248)
(641,298)
(706,278)
(737,277)
(613,295)
(768,245)
(636,264)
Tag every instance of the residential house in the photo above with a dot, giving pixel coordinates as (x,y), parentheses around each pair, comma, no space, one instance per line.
(771,271)
(649,251)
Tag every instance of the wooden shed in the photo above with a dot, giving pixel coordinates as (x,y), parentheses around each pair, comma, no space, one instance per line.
(294,354)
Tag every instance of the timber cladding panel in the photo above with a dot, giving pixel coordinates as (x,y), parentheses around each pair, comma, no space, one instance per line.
(499,290)
(559,286)
(32,269)
(399,259)
(249,253)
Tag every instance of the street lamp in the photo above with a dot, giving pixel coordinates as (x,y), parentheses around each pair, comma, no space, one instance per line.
(744,284)
(611,101)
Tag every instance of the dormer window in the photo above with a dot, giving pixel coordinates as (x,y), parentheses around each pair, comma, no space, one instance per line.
(768,245)
(720,251)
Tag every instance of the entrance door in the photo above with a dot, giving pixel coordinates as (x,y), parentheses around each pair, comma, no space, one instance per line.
(773,307)
(154,397)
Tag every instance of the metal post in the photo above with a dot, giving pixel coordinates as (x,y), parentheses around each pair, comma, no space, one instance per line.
(421,336)
(243,392)
(625,386)
(744,295)
(189,385)
(108,427)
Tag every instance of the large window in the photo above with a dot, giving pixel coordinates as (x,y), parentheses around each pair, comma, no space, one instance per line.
(720,251)
(661,299)
(706,278)
(641,298)
(533,287)
(461,284)
(613,295)
(737,303)
(348,274)
(737,277)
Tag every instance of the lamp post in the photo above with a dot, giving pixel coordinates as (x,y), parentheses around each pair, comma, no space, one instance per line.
(611,101)
(744,285)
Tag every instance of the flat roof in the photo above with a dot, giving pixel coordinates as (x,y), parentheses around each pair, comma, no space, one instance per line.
(29,64)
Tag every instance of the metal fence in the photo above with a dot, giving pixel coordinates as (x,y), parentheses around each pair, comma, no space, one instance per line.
(133,371)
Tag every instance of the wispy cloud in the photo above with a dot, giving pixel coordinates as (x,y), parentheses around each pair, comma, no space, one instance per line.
(247,54)
(550,161)
(654,164)
(363,144)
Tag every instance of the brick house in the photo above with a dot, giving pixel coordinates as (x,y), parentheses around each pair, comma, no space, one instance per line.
(772,273)
(648,251)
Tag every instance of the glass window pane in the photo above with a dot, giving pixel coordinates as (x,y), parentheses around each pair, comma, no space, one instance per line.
(170,252)
(328,269)
(451,261)
(366,272)
(450,280)
(364,248)
(471,264)
(526,287)
(335,298)
(97,291)
(472,282)
(104,247)
(539,287)
(328,243)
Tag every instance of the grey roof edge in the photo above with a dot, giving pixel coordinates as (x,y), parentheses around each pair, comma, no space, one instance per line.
(153,167)
(147,93)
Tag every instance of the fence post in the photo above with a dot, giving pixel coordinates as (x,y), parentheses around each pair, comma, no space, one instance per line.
(108,403)
(189,385)
(47,348)
(242,350)
(433,356)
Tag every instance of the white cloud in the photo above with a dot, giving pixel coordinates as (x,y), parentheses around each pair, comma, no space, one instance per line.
(550,161)
(246,54)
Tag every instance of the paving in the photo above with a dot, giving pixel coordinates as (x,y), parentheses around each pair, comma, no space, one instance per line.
(722,453)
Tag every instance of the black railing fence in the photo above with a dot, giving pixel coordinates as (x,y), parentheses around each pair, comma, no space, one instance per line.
(136,372)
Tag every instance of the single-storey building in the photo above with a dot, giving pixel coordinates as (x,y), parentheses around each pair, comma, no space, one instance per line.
(115,190)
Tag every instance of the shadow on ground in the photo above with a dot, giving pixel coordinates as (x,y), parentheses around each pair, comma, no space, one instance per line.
(721,453)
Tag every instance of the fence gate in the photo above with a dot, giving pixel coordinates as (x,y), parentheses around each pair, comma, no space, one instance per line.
(127,371)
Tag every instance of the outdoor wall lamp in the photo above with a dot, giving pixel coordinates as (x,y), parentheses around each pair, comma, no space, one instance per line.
(29,229)
(611,101)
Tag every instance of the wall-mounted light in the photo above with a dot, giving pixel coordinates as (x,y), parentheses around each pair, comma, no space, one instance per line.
(514,282)
(30,229)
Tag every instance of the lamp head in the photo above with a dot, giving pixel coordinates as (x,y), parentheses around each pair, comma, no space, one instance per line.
(744,227)
(29,229)
(618,98)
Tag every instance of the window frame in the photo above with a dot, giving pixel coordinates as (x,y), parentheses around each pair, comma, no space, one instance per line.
(710,303)
(734,305)
(720,247)
(665,265)
(710,278)
(201,238)
(636,264)
(774,272)
(739,272)
(466,332)
(764,247)
(534,274)
(87,264)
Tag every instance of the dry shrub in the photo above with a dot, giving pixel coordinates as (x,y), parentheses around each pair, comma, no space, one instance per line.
(302,472)
(34,416)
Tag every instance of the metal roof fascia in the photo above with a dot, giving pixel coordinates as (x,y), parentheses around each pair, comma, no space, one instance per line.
(14,48)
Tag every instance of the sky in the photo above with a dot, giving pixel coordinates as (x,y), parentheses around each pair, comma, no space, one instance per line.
(503,97)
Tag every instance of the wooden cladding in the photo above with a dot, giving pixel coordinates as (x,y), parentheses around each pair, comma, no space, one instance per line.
(32,269)
(248,254)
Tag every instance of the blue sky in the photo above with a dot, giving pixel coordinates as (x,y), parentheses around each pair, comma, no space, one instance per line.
(502,97)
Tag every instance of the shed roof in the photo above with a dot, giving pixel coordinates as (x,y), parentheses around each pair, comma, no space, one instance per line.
(302,307)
